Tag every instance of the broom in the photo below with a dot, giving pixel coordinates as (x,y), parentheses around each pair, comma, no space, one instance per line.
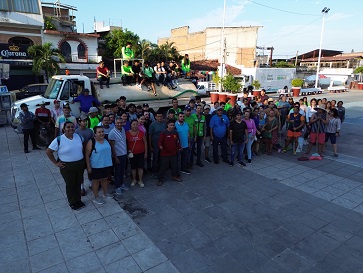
(316,156)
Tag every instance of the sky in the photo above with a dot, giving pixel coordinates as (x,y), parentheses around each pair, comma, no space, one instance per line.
(290,26)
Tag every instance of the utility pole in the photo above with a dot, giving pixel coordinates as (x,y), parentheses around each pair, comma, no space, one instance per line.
(297,54)
(271,50)
(324,12)
(222,56)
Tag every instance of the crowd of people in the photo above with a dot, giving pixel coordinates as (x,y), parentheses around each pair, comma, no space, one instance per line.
(128,137)
(132,71)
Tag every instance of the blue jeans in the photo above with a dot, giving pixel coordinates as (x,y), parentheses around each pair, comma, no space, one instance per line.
(155,161)
(249,146)
(199,148)
(223,142)
(120,171)
(183,159)
(237,147)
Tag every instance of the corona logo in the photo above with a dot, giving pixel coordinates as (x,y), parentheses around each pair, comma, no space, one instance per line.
(14,48)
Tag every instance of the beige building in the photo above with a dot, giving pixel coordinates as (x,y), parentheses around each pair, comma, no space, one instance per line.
(240,44)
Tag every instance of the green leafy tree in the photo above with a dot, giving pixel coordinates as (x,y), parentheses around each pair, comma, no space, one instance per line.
(230,83)
(45,57)
(358,70)
(48,24)
(144,48)
(118,38)
(283,64)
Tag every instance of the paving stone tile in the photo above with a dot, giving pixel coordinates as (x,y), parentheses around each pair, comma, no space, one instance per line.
(68,235)
(229,242)
(137,243)
(160,233)
(188,262)
(103,238)
(128,265)
(76,248)
(163,267)
(13,253)
(197,218)
(39,231)
(109,208)
(349,255)
(65,223)
(250,257)
(308,250)
(227,263)
(179,225)
(84,263)
(149,257)
(126,230)
(173,246)
(213,229)
(333,264)
(96,226)
(116,219)
(112,253)
(336,233)
(355,242)
(312,221)
(21,265)
(201,203)
(59,268)
(324,242)
(46,259)
(268,246)
(292,261)
(42,244)
(195,238)
(10,216)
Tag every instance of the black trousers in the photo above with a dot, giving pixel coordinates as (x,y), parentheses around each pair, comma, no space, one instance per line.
(165,161)
(72,174)
(32,134)
(102,79)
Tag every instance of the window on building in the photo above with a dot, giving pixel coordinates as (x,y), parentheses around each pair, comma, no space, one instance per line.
(81,49)
(20,41)
(66,51)
(26,6)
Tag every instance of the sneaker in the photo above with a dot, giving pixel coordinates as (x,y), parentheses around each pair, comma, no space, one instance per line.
(98,201)
(133,183)
(249,161)
(200,164)
(26,151)
(124,187)
(118,191)
(226,161)
(139,86)
(107,86)
(284,151)
(107,195)
(242,164)
(177,179)
(208,160)
(36,148)
(185,171)
(231,164)
(141,184)
(83,192)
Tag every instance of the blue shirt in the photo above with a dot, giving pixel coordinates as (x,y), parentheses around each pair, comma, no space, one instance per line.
(183,131)
(86,102)
(219,125)
(101,157)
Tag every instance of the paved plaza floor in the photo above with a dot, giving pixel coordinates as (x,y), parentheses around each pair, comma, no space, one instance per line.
(275,215)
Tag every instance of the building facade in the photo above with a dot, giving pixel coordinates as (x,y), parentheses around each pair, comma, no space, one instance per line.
(21,25)
(240,44)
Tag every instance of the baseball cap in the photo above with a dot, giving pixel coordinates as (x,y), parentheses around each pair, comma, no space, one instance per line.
(145,105)
(219,108)
(207,107)
(188,108)
(66,105)
(93,110)
(270,99)
(83,117)
(85,90)
(23,105)
(56,101)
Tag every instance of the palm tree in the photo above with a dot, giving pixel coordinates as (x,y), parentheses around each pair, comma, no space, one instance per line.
(45,57)
(144,47)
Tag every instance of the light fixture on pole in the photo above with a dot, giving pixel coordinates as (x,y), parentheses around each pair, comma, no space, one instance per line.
(324,12)
(222,60)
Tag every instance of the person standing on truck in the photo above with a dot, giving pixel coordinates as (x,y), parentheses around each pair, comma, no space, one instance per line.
(126,73)
(185,63)
(127,52)
(86,101)
(63,118)
(27,119)
(103,74)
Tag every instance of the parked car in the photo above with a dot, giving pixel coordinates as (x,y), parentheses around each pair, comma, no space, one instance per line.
(30,90)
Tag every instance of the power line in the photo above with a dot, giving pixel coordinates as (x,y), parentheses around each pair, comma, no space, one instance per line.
(286,11)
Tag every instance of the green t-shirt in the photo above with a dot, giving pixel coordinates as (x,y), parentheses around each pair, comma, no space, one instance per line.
(176,114)
(126,70)
(94,121)
(148,71)
(199,124)
(190,121)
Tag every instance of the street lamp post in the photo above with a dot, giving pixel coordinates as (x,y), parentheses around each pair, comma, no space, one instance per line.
(324,12)
(222,62)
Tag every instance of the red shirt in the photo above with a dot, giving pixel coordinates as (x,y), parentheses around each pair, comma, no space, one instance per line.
(135,144)
(43,114)
(103,70)
(170,143)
